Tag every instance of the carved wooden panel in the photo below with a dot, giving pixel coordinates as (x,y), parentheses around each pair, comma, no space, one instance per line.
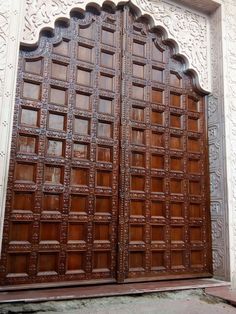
(108,172)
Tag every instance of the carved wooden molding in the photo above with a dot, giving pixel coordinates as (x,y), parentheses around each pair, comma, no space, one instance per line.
(187,29)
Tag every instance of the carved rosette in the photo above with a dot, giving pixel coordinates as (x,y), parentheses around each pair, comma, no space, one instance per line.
(186,28)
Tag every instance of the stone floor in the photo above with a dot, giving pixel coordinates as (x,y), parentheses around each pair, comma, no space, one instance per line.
(175,302)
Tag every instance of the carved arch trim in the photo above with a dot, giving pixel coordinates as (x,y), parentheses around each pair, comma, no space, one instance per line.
(185,29)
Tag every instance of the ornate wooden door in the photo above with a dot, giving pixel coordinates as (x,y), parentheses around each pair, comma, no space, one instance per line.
(108,172)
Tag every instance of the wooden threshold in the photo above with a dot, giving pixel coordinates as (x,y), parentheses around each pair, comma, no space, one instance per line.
(106,290)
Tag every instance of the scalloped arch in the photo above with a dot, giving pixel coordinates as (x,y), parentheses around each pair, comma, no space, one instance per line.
(184,29)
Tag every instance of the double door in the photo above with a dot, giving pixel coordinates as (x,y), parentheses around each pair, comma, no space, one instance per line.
(108,172)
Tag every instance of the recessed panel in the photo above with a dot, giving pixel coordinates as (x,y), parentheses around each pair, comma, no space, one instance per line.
(157,96)
(78,203)
(103,204)
(29,117)
(50,231)
(157,184)
(175,100)
(23,201)
(106,82)
(176,186)
(101,261)
(157,233)
(20,231)
(158,260)
(104,154)
(107,59)
(175,121)
(195,234)
(195,187)
(138,92)
(82,126)
(136,233)
(53,175)
(81,150)
(137,207)
(138,136)
(104,178)
(31,90)
(138,70)
(108,37)
(193,104)
(175,80)
(105,105)
(27,144)
(157,74)
(77,232)
(176,164)
(55,148)
(62,48)
(139,49)
(177,234)
(48,262)
(138,159)
(196,258)
(177,259)
(59,71)
(52,202)
(138,113)
(137,183)
(83,76)
(82,101)
(33,66)
(157,161)
(25,172)
(102,232)
(157,139)
(157,209)
(194,166)
(157,53)
(56,122)
(86,31)
(76,261)
(136,260)
(177,210)
(157,117)
(18,263)
(195,210)
(193,124)
(194,145)
(79,176)
(85,53)
(105,129)
(176,142)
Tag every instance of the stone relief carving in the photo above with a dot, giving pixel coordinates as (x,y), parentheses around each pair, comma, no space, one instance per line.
(186,28)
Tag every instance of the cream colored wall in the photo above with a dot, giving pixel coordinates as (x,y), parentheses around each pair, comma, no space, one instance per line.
(208,44)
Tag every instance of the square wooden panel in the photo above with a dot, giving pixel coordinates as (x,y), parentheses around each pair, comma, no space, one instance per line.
(157,74)
(175,121)
(176,186)
(177,210)
(157,139)
(195,234)
(29,117)
(195,210)
(157,209)
(193,124)
(195,188)
(50,231)
(105,129)
(106,81)
(79,176)
(25,172)
(62,48)
(18,263)
(58,96)
(193,104)
(104,153)
(55,148)
(136,260)
(157,53)
(105,105)
(194,145)
(53,175)
(138,136)
(52,202)
(59,71)
(23,201)
(77,232)
(194,166)
(56,122)
(82,125)
(176,163)
(81,150)
(48,262)
(175,80)
(107,59)
(138,113)
(138,92)
(196,259)
(103,204)
(31,90)
(177,234)
(176,142)
(157,117)
(138,70)
(79,203)
(157,185)
(157,96)
(158,233)
(75,262)
(136,233)
(85,53)
(177,259)
(137,183)
(157,260)
(101,261)
(20,231)
(84,76)
(104,178)
(137,207)
(175,100)
(102,232)
(108,36)
(82,101)
(87,31)
(27,144)
(138,159)
(157,161)
(139,48)
(34,66)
